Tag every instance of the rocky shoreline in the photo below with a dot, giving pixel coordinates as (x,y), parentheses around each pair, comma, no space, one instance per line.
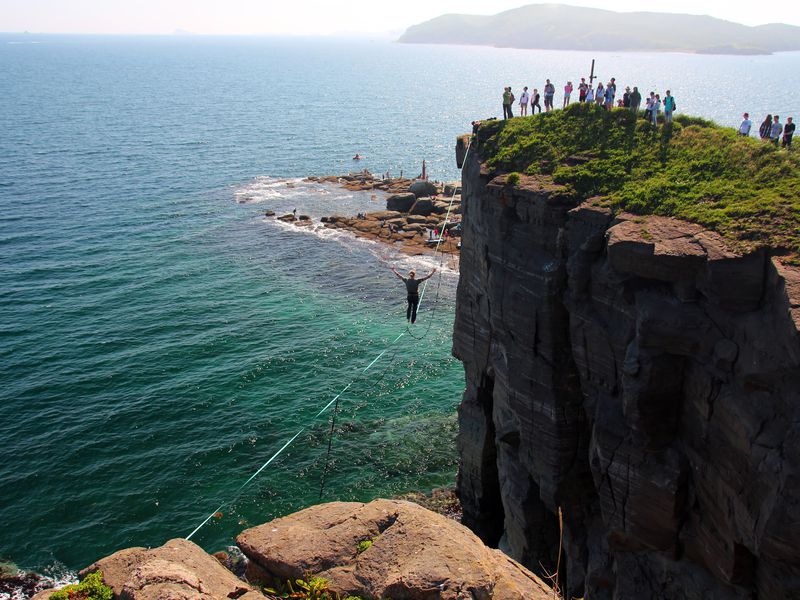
(380,549)
(415,221)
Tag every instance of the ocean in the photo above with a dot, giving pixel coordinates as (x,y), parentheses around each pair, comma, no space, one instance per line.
(160,338)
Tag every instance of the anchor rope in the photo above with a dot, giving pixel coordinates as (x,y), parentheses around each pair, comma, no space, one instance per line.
(335,399)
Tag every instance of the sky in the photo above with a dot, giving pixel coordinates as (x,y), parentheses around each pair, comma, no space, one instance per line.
(318,17)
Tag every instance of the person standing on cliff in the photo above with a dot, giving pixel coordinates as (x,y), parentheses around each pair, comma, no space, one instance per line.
(508,100)
(567,94)
(549,93)
(656,108)
(669,107)
(412,287)
(766,127)
(636,100)
(582,88)
(523,102)
(776,130)
(788,133)
(535,102)
(746,126)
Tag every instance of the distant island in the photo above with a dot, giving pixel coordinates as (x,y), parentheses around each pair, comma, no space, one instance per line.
(564,27)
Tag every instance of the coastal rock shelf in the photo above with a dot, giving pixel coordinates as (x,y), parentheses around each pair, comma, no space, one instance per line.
(636,379)
(415,212)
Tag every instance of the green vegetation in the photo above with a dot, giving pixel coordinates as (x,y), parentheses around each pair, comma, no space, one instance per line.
(512,179)
(91,588)
(744,189)
(310,588)
(363,545)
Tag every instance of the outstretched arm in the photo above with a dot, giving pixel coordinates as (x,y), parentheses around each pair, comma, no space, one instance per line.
(429,275)
(396,273)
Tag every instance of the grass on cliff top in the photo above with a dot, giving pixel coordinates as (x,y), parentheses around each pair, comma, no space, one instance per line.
(744,189)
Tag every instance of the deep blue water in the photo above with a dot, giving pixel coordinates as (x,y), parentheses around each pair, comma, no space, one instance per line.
(160,339)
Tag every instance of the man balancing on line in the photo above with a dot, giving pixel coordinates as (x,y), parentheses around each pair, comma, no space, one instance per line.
(412,287)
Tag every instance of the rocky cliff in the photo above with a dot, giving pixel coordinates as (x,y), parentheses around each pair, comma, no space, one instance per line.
(637,377)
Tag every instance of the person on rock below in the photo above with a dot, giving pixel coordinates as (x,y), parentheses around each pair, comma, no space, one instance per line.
(412,287)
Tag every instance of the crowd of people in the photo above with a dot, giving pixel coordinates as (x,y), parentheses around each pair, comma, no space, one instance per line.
(603,95)
(771,129)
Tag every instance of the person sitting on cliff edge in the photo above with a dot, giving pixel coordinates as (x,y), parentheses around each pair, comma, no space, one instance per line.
(412,287)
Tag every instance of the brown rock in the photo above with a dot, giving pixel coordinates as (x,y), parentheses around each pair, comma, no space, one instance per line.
(635,377)
(178,570)
(415,554)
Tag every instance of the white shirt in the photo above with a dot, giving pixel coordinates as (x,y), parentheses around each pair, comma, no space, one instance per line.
(744,128)
(524,98)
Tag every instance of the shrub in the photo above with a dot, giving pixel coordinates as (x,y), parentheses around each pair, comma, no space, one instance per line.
(91,588)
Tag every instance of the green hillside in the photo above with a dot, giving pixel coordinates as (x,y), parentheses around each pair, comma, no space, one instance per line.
(745,189)
(563,27)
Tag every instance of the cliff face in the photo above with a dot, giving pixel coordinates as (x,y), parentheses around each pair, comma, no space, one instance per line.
(634,375)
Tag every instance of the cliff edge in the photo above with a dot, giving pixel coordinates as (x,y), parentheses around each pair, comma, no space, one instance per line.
(636,374)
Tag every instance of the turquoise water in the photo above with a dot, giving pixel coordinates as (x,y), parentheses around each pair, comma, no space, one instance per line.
(160,339)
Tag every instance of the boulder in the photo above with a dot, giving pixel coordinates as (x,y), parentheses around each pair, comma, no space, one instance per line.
(414,553)
(423,187)
(288,218)
(440,206)
(400,202)
(452,188)
(382,215)
(269,213)
(423,206)
(178,570)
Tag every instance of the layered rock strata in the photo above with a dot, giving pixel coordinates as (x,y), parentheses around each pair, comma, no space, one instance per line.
(633,394)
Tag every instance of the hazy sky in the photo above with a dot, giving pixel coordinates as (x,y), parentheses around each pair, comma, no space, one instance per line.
(317,16)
